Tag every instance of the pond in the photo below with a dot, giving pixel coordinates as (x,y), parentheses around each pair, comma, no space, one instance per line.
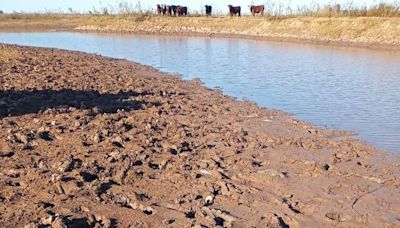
(354,89)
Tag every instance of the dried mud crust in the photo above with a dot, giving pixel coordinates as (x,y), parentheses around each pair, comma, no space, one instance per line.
(89,141)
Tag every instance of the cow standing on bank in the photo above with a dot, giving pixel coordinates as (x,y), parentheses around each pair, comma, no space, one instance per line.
(159,9)
(257,10)
(181,11)
(233,10)
(208,10)
(172,10)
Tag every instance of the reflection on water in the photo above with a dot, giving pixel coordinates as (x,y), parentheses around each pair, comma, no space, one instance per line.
(346,88)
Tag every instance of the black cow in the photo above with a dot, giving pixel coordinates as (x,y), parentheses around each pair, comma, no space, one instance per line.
(208,10)
(172,10)
(233,10)
(181,10)
(257,9)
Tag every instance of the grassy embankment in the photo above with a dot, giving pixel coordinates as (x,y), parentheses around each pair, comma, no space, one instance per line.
(40,21)
(377,25)
(354,29)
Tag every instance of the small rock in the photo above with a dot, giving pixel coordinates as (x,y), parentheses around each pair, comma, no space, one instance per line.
(224,215)
(77,123)
(148,210)
(374,179)
(31,225)
(19,138)
(133,205)
(13,173)
(107,223)
(85,209)
(272,173)
(59,188)
(70,188)
(117,141)
(98,138)
(46,135)
(91,219)
(114,156)
(41,165)
(59,223)
(336,216)
(55,178)
(105,132)
(65,166)
(204,172)
(47,220)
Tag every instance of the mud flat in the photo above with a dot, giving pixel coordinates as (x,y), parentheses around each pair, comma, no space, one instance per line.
(89,141)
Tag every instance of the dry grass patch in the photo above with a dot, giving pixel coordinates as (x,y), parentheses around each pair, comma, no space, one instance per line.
(8,54)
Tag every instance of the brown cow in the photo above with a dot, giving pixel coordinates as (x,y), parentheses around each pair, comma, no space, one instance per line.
(181,10)
(257,9)
(233,10)
(159,9)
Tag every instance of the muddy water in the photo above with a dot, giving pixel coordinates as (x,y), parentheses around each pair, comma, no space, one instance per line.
(346,88)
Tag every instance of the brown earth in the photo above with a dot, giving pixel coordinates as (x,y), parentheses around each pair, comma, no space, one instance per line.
(89,141)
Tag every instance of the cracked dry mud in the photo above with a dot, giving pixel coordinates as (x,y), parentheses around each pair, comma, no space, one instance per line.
(89,141)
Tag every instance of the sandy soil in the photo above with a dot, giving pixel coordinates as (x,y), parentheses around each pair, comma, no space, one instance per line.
(89,141)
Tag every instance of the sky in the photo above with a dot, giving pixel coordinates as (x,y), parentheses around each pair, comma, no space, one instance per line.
(194,5)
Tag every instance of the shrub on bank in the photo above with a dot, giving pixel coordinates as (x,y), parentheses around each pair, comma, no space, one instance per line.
(8,54)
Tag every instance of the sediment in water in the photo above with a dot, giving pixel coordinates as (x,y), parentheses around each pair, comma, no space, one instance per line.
(88,140)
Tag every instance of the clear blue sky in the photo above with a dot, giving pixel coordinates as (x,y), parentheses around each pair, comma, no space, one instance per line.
(86,5)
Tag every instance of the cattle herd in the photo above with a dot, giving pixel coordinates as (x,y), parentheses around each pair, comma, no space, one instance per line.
(170,10)
(177,10)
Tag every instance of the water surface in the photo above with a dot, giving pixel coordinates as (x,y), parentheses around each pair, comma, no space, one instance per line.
(353,89)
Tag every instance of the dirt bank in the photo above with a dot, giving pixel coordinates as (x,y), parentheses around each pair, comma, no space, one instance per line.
(91,141)
(39,22)
(362,32)
(374,32)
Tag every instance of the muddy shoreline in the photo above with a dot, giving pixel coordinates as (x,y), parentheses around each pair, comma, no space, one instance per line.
(90,141)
